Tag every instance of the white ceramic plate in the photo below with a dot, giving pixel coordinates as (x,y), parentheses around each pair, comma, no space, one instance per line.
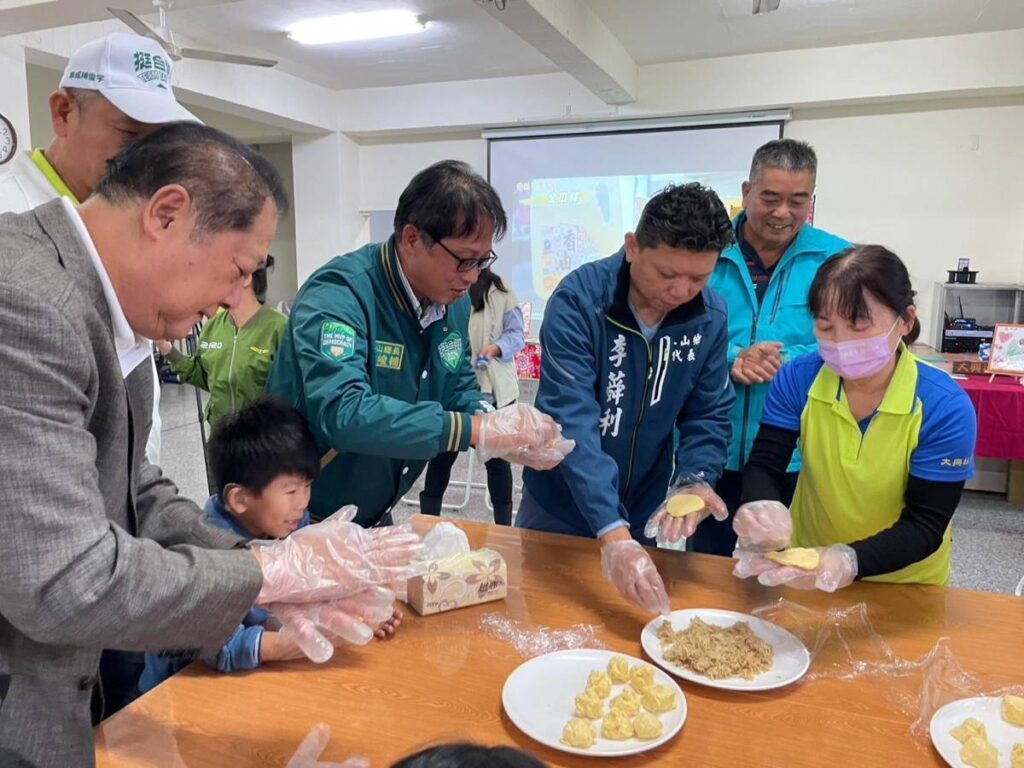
(1001,734)
(540,698)
(791,656)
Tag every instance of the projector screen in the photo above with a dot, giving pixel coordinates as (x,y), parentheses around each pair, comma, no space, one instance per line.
(571,198)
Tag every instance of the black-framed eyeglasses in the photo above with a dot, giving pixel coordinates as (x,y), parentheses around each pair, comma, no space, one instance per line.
(467,265)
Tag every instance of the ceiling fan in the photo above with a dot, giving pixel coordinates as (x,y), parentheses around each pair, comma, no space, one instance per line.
(162,35)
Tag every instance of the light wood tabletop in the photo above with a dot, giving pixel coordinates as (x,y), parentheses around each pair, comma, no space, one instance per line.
(440,678)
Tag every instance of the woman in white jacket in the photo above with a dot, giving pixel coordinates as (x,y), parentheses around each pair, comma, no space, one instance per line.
(495,335)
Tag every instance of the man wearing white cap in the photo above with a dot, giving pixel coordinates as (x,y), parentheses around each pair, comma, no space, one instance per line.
(114,91)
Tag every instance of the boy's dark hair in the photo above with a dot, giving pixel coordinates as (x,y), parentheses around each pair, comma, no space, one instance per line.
(686,216)
(449,199)
(468,755)
(842,280)
(229,181)
(262,441)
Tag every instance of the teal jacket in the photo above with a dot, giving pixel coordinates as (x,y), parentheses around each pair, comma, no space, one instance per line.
(382,395)
(783,316)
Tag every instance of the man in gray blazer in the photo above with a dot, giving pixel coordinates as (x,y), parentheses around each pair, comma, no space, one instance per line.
(97,550)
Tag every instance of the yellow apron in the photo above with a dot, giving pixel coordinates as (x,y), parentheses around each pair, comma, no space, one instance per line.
(852,485)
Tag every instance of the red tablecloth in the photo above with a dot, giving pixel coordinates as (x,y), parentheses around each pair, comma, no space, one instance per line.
(1000,408)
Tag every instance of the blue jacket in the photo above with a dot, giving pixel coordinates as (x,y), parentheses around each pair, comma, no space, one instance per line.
(782,316)
(619,397)
(242,650)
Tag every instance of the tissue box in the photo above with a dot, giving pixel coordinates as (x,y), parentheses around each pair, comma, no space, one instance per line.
(457,581)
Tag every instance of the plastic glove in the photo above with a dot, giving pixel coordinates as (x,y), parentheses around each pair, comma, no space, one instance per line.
(309,751)
(837,569)
(663,527)
(315,627)
(631,571)
(333,559)
(763,526)
(522,434)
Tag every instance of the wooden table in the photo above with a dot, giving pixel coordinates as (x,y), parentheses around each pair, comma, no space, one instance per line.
(440,679)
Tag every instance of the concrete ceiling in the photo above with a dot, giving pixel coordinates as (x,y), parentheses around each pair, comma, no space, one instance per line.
(599,42)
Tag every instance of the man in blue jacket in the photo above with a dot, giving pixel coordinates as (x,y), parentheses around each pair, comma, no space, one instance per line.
(764,277)
(635,347)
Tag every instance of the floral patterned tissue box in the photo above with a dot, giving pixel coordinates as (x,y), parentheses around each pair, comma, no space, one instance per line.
(468,578)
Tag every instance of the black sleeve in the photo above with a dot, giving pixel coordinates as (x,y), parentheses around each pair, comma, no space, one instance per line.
(765,473)
(918,532)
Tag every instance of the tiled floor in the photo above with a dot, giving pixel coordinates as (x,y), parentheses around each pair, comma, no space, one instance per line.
(988,532)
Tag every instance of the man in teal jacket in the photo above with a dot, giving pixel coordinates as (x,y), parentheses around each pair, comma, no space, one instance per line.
(376,353)
(764,278)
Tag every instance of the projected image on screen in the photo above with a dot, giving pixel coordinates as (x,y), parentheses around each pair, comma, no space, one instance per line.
(570,200)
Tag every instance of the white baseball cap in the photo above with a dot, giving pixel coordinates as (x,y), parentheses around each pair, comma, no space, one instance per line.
(132,72)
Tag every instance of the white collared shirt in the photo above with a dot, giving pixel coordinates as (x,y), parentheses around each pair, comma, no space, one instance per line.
(427,312)
(132,349)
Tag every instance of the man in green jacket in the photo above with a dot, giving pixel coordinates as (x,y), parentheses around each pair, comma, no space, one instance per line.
(376,353)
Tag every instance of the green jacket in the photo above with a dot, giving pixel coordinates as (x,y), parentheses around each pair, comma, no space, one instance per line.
(382,395)
(233,363)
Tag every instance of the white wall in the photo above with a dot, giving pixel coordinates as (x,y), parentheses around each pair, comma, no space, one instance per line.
(282,281)
(14,101)
(910,180)
(386,169)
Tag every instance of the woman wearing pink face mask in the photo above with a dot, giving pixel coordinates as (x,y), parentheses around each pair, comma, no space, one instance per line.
(887,441)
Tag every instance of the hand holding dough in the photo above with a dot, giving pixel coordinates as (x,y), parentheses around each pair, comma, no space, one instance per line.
(796,557)
(684,504)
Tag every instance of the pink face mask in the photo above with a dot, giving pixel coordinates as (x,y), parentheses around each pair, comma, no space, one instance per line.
(858,358)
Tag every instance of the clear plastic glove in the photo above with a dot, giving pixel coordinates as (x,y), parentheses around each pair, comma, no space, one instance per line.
(334,559)
(309,751)
(631,571)
(520,433)
(317,627)
(763,526)
(665,528)
(837,569)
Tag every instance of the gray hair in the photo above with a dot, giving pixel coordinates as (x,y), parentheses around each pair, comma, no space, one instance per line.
(785,154)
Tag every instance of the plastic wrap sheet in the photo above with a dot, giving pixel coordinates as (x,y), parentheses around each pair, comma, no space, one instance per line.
(844,645)
(536,641)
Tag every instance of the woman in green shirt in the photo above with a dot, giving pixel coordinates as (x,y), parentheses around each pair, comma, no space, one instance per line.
(236,350)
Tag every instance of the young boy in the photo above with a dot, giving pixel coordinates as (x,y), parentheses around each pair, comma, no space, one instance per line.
(264,461)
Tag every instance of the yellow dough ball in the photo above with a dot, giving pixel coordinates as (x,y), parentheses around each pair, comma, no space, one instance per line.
(968,728)
(641,677)
(628,701)
(797,557)
(599,684)
(589,706)
(1017,756)
(978,753)
(579,733)
(646,726)
(617,725)
(618,669)
(1013,709)
(684,504)
(659,698)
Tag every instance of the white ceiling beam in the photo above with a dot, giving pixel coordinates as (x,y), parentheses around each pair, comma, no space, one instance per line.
(570,34)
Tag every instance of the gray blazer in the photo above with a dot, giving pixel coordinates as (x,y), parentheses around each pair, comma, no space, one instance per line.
(97,550)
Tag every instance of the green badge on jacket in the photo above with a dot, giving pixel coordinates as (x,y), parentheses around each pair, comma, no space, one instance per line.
(337,340)
(451,350)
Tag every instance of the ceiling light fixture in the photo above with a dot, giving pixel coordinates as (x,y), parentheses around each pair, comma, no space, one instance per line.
(356,26)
